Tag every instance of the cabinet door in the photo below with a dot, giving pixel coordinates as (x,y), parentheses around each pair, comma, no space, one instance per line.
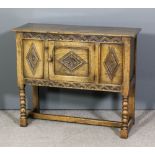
(71,61)
(111,63)
(33,58)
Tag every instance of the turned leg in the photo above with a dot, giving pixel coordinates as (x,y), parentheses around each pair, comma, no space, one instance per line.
(125,118)
(35,99)
(132,103)
(23,115)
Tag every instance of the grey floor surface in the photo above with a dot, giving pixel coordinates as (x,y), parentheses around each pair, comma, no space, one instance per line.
(51,133)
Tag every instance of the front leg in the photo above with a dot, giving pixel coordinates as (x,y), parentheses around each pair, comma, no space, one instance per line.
(125,118)
(132,102)
(23,115)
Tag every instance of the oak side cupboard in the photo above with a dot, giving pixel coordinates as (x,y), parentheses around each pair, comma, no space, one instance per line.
(77,57)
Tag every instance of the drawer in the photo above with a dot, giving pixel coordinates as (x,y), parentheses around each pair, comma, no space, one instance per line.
(111,64)
(71,61)
(33,58)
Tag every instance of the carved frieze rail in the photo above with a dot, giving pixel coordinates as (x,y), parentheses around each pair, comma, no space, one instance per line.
(75,85)
(72,37)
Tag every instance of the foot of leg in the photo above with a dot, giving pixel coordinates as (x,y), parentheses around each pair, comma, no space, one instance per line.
(124,133)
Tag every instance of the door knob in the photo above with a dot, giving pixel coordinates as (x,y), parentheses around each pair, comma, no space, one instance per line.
(46,47)
(50,59)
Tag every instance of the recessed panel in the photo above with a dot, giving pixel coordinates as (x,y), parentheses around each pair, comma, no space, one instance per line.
(71,62)
(111,64)
(33,58)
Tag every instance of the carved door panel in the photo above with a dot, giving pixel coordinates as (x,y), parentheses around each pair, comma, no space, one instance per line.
(33,58)
(111,66)
(71,61)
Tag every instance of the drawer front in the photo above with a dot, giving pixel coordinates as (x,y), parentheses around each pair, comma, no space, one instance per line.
(71,61)
(33,58)
(111,64)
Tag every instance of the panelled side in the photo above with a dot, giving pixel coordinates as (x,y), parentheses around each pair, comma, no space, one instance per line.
(19,59)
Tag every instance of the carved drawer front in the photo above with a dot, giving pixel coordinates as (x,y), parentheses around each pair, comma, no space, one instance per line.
(33,58)
(111,63)
(71,61)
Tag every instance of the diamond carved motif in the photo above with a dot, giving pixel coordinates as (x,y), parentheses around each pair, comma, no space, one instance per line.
(33,58)
(111,63)
(72,61)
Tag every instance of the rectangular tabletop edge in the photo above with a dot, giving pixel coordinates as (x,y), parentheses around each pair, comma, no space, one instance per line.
(77,29)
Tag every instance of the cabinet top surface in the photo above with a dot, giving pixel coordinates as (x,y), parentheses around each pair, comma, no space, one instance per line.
(77,29)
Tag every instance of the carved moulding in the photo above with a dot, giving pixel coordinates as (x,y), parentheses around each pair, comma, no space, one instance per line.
(75,85)
(72,37)
(72,61)
(111,63)
(33,58)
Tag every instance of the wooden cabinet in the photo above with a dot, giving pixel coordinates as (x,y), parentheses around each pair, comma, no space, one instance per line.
(77,57)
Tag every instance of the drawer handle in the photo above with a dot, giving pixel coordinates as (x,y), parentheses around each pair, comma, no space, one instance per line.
(50,59)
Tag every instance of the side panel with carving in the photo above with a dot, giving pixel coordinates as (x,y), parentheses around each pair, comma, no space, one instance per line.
(71,61)
(111,63)
(33,58)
